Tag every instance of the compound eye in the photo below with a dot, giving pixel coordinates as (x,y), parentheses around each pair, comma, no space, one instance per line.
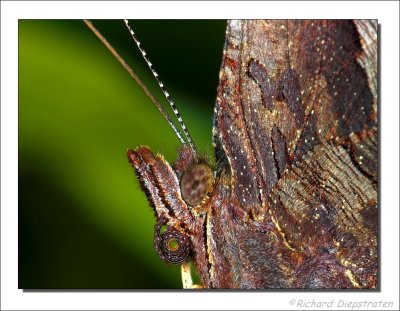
(195,183)
(171,245)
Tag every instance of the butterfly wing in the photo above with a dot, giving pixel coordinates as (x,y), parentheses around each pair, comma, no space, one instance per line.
(296,132)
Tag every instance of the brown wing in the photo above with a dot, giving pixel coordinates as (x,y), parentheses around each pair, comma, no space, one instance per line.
(296,121)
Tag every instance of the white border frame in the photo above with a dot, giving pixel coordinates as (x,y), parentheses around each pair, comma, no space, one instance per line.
(14,299)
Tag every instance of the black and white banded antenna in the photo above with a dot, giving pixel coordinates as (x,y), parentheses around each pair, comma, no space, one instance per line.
(140,83)
(162,87)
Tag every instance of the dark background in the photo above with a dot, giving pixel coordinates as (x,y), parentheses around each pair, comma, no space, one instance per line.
(83,221)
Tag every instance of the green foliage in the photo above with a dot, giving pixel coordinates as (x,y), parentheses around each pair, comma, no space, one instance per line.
(83,221)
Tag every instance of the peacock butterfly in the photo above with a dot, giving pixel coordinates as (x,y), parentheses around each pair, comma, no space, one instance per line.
(292,200)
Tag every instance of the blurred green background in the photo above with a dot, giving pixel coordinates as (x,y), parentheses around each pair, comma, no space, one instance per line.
(83,221)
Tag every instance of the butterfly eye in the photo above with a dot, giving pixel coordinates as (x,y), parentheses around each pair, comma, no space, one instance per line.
(171,245)
(195,183)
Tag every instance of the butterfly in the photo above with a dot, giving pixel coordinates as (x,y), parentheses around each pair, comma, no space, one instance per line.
(292,199)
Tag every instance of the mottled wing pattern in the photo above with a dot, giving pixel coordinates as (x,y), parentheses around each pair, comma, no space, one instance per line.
(296,133)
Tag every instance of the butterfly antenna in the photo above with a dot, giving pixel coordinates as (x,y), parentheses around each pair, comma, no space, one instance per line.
(166,94)
(136,78)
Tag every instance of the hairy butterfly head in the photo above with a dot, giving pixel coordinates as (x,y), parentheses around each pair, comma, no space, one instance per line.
(178,195)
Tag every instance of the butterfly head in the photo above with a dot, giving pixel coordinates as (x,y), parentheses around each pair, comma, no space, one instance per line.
(178,194)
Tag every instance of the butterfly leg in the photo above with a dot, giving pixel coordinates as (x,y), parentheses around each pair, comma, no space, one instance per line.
(186,273)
